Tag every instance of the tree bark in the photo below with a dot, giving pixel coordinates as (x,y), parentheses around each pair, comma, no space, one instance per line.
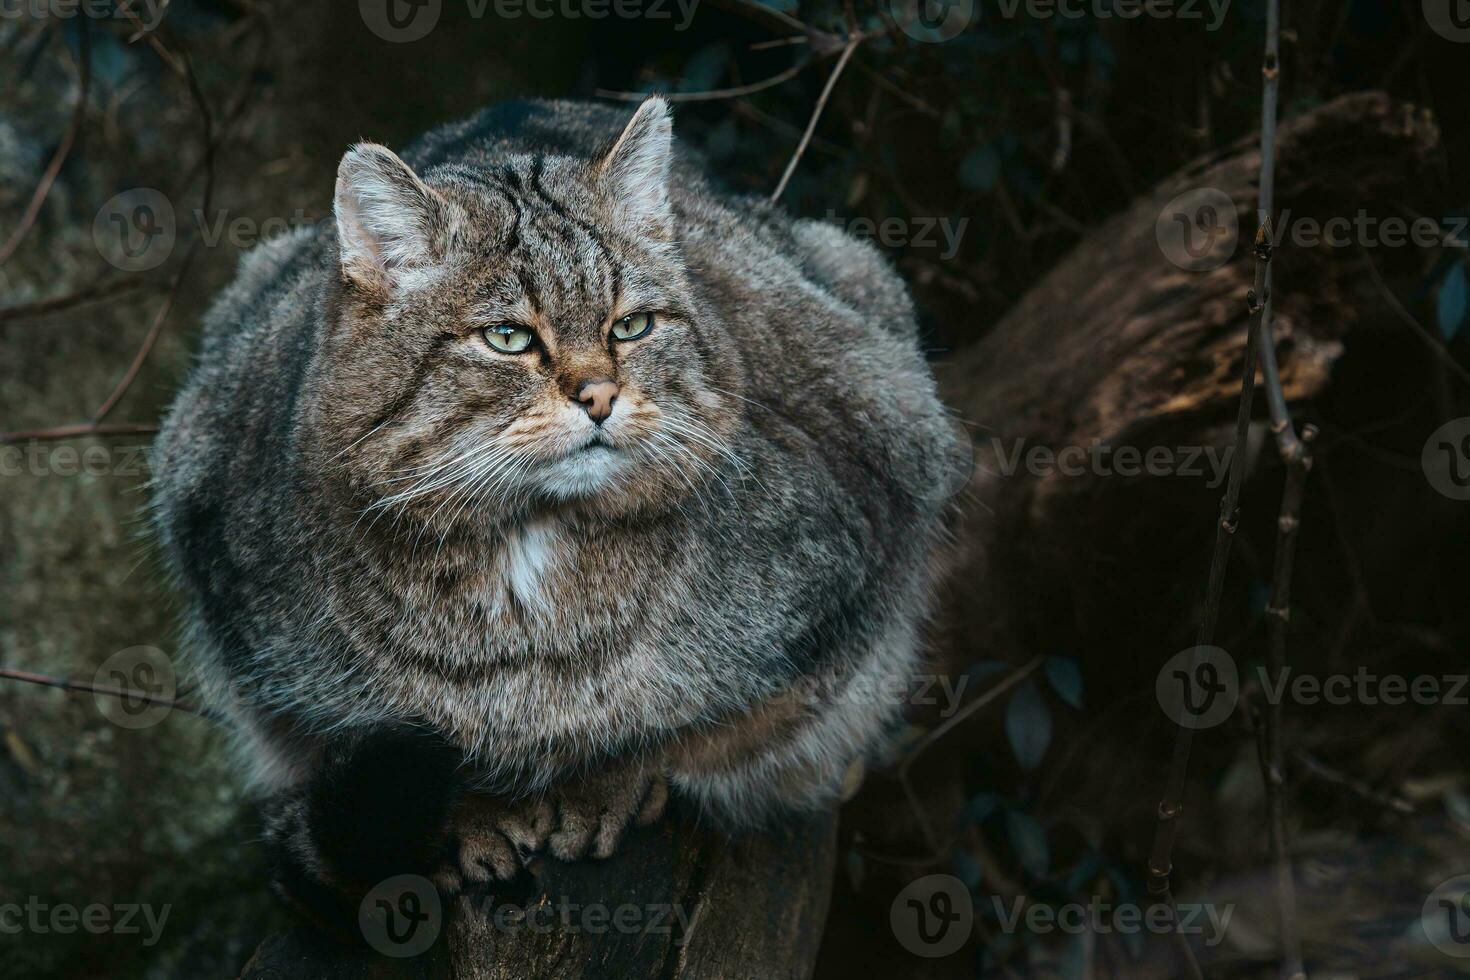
(693,903)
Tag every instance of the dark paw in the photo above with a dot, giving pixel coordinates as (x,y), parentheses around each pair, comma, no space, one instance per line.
(378,807)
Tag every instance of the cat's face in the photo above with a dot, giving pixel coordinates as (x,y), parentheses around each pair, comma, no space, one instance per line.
(523,336)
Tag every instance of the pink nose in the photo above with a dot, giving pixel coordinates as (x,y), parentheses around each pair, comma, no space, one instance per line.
(597,397)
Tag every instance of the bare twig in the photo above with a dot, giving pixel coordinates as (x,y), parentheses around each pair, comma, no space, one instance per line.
(1317,769)
(104,289)
(1297,457)
(1259,345)
(73,128)
(78,430)
(937,848)
(712,95)
(86,687)
(811,125)
(1273,767)
(1160,862)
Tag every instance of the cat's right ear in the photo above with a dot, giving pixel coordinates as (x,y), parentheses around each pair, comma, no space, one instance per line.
(389,222)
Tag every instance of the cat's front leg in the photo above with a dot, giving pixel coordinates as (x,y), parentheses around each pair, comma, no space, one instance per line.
(376,804)
(584,816)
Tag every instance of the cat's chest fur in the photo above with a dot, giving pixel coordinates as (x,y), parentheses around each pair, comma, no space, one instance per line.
(530,567)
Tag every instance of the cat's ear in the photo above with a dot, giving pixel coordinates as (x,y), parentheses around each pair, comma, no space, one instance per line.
(635,169)
(388,220)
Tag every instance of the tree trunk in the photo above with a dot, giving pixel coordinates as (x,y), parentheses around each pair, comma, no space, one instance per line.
(678,900)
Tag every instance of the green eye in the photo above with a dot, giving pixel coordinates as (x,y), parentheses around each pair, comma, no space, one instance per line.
(509,338)
(632,326)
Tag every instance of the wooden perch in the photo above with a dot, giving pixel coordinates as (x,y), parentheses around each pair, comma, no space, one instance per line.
(702,904)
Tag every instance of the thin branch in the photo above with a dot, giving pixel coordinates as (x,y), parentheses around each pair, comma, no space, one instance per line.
(105,289)
(1273,765)
(78,430)
(1296,454)
(48,178)
(712,95)
(1160,862)
(45,680)
(1317,769)
(938,848)
(1286,437)
(1424,333)
(811,125)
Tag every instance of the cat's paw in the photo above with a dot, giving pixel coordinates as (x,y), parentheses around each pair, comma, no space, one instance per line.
(493,837)
(593,813)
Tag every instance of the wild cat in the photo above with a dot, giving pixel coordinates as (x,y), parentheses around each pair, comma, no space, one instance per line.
(546,479)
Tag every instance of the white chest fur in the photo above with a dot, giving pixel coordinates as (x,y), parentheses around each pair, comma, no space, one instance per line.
(532,558)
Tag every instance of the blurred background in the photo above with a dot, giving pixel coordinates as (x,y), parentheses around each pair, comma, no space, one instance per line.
(1016,160)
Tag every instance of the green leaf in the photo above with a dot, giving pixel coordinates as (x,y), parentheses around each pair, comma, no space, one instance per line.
(855,869)
(967,869)
(1028,840)
(981,805)
(980,169)
(705,68)
(1453,293)
(1028,725)
(1066,679)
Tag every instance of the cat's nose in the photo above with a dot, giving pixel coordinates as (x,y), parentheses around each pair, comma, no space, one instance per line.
(597,396)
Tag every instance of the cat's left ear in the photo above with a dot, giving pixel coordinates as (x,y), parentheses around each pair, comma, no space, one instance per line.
(635,169)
